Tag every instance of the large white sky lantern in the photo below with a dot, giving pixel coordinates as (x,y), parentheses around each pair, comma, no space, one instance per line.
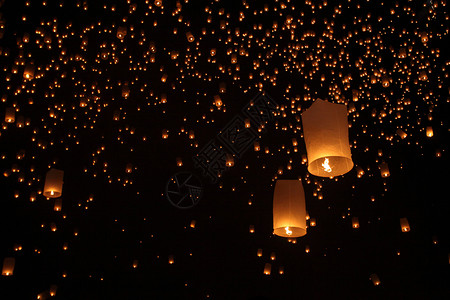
(325,128)
(289,209)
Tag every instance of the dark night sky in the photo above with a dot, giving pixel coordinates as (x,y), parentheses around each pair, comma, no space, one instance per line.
(342,51)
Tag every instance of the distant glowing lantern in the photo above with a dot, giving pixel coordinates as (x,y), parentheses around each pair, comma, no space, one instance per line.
(355,222)
(251,228)
(259,252)
(325,127)
(429,131)
(171,259)
(165,133)
(273,256)
(281,270)
(312,222)
(256,146)
(193,222)
(267,269)
(58,205)
(404,224)
(190,37)
(121,32)
(10,115)
(8,266)
(28,73)
(229,161)
(401,134)
(53,183)
(375,279)
(289,209)
(384,170)
(135,263)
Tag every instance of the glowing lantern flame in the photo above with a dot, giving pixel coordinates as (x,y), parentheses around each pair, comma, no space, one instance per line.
(326,165)
(288,231)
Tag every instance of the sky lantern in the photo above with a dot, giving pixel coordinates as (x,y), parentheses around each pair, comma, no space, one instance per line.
(404,224)
(58,205)
(375,279)
(10,115)
(289,209)
(325,127)
(355,222)
(267,269)
(28,73)
(53,183)
(8,266)
(429,131)
(384,170)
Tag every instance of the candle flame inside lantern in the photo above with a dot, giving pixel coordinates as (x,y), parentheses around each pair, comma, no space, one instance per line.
(326,165)
(52,193)
(288,231)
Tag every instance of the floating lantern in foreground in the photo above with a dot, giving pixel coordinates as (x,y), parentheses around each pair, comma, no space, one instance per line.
(325,127)
(53,183)
(289,209)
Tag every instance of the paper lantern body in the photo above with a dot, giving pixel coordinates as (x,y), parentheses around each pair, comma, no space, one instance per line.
(10,115)
(8,266)
(53,183)
(289,209)
(325,128)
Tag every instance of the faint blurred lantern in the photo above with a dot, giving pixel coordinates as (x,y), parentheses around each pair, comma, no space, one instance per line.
(256,146)
(10,115)
(229,161)
(217,101)
(325,127)
(129,168)
(281,270)
(401,134)
(53,289)
(192,225)
(429,131)
(375,279)
(135,263)
(307,249)
(404,224)
(171,259)
(58,205)
(267,269)
(384,170)
(28,73)
(8,266)
(121,32)
(165,133)
(312,222)
(251,228)
(53,183)
(289,209)
(272,256)
(359,172)
(259,252)
(179,162)
(355,222)
(190,37)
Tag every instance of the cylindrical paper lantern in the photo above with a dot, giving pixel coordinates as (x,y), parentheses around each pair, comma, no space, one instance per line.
(8,266)
(355,222)
(267,268)
(375,279)
(58,205)
(384,170)
(325,128)
(10,115)
(53,183)
(289,209)
(404,224)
